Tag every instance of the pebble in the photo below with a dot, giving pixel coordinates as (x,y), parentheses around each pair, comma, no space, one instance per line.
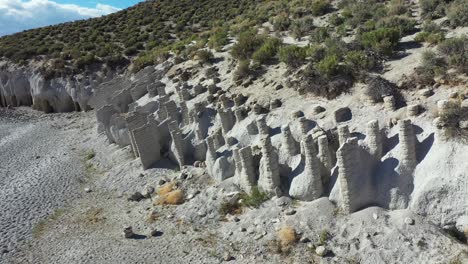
(161,182)
(128,232)
(227,257)
(87,190)
(409,221)
(156,233)
(321,251)
(136,197)
(290,212)
(242,229)
(304,240)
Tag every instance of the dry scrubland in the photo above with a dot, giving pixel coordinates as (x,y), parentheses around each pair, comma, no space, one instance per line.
(253,131)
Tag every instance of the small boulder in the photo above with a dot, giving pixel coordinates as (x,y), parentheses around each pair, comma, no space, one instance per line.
(409,221)
(343,114)
(321,251)
(128,232)
(136,197)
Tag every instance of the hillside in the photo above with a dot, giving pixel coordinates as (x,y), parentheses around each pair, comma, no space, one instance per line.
(304,131)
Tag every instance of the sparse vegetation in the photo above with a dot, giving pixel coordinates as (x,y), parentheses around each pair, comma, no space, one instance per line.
(255,198)
(287,237)
(292,55)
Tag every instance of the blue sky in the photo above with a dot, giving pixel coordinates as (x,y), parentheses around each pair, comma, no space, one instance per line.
(19,15)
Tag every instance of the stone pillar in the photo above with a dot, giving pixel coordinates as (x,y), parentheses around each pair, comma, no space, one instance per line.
(303,125)
(325,154)
(289,144)
(134,121)
(211,154)
(440,131)
(103,116)
(443,107)
(184,95)
(407,144)
(343,134)
(374,139)
(412,110)
(218,139)
(178,147)
(162,113)
(185,114)
(389,103)
(247,175)
(198,89)
(171,109)
(239,114)
(226,119)
(238,164)
(348,168)
(262,126)
(161,88)
(147,143)
(308,186)
(269,178)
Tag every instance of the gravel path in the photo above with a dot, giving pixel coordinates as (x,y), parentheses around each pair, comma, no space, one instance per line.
(39,172)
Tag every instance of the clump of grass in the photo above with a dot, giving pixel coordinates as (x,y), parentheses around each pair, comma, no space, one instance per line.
(90,155)
(287,237)
(174,197)
(230,208)
(255,198)
(40,228)
(166,188)
(324,236)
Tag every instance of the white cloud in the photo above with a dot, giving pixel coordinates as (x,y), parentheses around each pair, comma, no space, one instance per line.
(19,15)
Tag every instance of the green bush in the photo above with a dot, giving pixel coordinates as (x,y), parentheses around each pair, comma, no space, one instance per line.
(383,40)
(204,56)
(404,24)
(267,51)
(301,27)
(242,71)
(432,8)
(292,55)
(320,7)
(457,13)
(281,22)
(360,63)
(398,7)
(377,88)
(329,66)
(432,38)
(319,35)
(455,53)
(246,45)
(219,39)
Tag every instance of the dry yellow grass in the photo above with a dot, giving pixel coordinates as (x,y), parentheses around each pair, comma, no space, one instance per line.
(172,198)
(166,188)
(287,237)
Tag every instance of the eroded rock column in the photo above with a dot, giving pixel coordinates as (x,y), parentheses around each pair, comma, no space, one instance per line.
(247,173)
(269,178)
(374,139)
(288,142)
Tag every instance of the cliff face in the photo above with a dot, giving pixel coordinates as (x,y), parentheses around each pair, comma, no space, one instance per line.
(28,87)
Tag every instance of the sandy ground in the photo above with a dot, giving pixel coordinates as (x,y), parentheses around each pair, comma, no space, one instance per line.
(40,170)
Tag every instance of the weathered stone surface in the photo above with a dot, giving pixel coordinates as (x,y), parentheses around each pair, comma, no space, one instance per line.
(147,143)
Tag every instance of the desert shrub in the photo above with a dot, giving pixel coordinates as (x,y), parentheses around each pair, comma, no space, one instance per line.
(315,52)
(432,38)
(319,35)
(404,24)
(324,236)
(230,208)
(432,8)
(246,45)
(432,63)
(336,20)
(432,33)
(383,40)
(378,87)
(90,155)
(360,63)
(255,198)
(267,51)
(320,7)
(398,7)
(281,22)
(311,81)
(301,27)
(204,56)
(292,55)
(451,122)
(218,39)
(455,53)
(457,13)
(242,71)
(328,66)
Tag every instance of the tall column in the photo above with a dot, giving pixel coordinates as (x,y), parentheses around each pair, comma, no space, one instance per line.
(288,141)
(407,144)
(308,185)
(262,126)
(343,134)
(269,178)
(325,154)
(348,166)
(185,113)
(374,139)
(247,176)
